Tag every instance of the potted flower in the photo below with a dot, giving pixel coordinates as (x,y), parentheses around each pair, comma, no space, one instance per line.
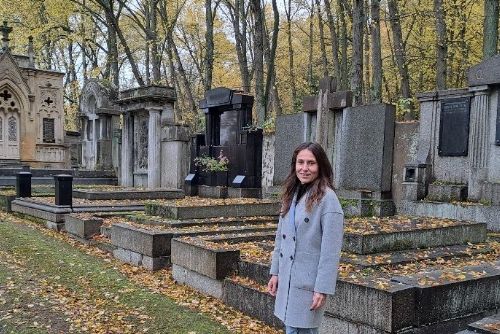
(216,168)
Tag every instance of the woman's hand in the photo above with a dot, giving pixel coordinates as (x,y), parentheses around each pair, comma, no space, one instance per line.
(319,299)
(272,286)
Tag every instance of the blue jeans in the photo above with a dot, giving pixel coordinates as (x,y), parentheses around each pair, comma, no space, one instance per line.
(294,330)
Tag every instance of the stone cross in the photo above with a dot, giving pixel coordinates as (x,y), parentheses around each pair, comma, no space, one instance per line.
(5,94)
(48,101)
(5,35)
(321,104)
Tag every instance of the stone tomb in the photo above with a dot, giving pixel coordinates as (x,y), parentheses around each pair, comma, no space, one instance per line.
(358,142)
(154,148)
(31,111)
(229,133)
(458,154)
(99,122)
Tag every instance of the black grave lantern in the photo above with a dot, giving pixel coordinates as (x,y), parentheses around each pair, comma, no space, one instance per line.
(229,132)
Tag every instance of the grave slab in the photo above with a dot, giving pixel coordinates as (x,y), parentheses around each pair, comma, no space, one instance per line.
(192,212)
(200,282)
(418,238)
(250,301)
(488,325)
(129,194)
(215,263)
(440,294)
(390,309)
(142,241)
(84,228)
(137,259)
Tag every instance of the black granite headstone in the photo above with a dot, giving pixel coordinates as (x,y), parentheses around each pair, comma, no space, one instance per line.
(23,184)
(64,189)
(454,127)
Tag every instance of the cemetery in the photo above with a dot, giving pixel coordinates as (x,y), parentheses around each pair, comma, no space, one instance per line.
(421,246)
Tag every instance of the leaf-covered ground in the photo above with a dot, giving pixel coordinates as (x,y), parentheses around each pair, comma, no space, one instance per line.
(49,283)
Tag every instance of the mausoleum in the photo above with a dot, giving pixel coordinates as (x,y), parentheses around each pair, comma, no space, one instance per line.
(31,111)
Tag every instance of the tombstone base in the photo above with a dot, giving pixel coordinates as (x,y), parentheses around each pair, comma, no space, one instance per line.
(55,226)
(212,191)
(141,260)
(244,192)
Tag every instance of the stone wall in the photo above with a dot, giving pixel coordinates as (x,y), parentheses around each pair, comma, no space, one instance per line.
(268,150)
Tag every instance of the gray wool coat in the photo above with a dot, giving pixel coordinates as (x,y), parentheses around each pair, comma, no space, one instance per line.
(306,257)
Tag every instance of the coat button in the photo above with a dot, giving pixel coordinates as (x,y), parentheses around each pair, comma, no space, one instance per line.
(291,257)
(306,220)
(284,236)
(281,254)
(293,238)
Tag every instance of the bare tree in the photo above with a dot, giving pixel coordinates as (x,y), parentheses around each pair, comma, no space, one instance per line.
(400,53)
(334,40)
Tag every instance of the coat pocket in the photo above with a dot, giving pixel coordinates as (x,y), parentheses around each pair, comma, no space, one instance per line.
(304,271)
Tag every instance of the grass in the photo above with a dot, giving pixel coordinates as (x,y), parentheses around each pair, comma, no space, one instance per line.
(48,286)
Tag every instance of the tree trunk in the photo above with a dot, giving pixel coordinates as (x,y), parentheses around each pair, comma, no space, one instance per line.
(324,61)
(376,91)
(334,41)
(441,45)
(344,69)
(260,103)
(293,87)
(209,40)
(357,52)
(490,34)
(238,13)
(400,54)
(310,78)
(271,58)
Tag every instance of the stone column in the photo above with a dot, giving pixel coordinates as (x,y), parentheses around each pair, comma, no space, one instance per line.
(478,141)
(154,165)
(127,176)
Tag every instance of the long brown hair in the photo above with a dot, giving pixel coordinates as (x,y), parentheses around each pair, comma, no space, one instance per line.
(317,188)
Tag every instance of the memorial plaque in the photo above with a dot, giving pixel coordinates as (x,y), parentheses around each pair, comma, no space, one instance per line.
(454,127)
(48,130)
(497,135)
(229,128)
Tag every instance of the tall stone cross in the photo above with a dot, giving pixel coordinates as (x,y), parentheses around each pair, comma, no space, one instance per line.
(6,30)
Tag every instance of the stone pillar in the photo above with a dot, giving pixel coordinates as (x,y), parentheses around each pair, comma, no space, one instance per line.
(64,189)
(23,184)
(127,179)
(154,149)
(478,141)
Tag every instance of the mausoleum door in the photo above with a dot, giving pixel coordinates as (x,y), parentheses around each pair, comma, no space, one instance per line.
(9,126)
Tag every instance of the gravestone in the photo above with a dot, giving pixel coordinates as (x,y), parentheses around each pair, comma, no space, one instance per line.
(63,189)
(154,149)
(23,184)
(99,119)
(290,133)
(31,111)
(229,134)
(459,149)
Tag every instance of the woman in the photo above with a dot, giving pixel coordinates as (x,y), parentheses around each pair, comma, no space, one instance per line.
(308,242)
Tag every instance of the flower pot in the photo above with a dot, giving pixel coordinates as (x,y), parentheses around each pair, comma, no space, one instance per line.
(217,179)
